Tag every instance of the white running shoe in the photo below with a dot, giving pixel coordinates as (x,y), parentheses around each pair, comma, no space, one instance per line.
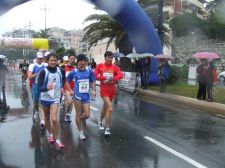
(81,134)
(107,132)
(100,126)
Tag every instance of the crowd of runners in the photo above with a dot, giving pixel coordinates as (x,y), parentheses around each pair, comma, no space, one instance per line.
(72,83)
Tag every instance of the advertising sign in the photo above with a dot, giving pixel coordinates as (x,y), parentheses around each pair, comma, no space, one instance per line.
(129,81)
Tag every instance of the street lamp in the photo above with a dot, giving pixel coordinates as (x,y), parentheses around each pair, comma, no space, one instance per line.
(44,8)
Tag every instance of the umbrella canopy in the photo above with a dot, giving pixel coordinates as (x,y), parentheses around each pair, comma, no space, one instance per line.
(206,55)
(2,56)
(145,55)
(163,56)
(118,55)
(133,55)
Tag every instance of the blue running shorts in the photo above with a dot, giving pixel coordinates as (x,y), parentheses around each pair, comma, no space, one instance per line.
(83,97)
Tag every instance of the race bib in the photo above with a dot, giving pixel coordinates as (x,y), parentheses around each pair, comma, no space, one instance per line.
(108,74)
(83,85)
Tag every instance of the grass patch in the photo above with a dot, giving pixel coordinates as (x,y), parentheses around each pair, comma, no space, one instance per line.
(183,89)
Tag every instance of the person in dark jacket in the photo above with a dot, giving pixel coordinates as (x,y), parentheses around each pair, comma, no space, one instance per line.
(145,70)
(93,64)
(211,78)
(163,73)
(202,69)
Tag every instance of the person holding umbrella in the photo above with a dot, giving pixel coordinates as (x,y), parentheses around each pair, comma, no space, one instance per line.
(205,73)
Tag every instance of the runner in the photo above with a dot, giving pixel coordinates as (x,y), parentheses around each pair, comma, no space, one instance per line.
(68,98)
(50,85)
(83,79)
(33,73)
(108,74)
(30,67)
(23,67)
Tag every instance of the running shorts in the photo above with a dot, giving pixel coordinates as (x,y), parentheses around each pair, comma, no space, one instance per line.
(83,97)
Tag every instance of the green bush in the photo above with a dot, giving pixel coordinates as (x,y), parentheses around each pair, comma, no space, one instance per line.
(175,73)
(184,72)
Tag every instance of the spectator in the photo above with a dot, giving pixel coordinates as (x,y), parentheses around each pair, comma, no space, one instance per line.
(24,67)
(202,79)
(145,70)
(93,64)
(211,79)
(3,72)
(163,72)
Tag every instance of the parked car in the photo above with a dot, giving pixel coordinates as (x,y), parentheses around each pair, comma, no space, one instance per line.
(221,76)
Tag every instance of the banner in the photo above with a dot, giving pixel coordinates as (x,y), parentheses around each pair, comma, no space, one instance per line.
(25,43)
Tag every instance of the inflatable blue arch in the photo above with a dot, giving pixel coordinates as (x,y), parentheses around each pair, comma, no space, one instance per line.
(134,21)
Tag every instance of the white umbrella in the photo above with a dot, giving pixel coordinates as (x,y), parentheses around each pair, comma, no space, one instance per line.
(2,56)
(118,54)
(133,55)
(163,56)
(145,55)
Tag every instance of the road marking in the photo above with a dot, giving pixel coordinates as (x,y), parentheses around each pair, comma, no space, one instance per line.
(93,108)
(180,155)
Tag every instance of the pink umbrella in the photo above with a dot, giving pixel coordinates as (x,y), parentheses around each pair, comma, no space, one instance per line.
(163,56)
(206,55)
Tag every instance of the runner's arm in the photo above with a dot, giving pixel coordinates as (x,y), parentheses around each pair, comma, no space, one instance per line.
(30,70)
(98,75)
(119,74)
(41,79)
(63,77)
(68,79)
(93,80)
(31,76)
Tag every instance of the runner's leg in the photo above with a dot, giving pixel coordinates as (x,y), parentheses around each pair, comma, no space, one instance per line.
(68,106)
(54,108)
(86,114)
(46,110)
(77,105)
(108,111)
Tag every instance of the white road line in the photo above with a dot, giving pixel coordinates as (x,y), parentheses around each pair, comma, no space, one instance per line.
(180,155)
(93,108)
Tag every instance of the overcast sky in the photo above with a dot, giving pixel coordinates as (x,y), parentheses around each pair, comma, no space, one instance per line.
(67,14)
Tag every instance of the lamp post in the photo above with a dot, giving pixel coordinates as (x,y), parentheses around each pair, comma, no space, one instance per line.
(44,8)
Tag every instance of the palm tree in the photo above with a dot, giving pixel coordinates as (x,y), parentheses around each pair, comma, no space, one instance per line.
(214,4)
(104,26)
(42,34)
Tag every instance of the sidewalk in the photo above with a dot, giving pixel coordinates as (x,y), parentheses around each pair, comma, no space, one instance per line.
(210,107)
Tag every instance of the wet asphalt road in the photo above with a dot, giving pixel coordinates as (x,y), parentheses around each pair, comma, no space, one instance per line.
(145,134)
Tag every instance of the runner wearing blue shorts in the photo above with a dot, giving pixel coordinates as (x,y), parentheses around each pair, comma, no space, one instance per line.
(50,84)
(83,80)
(33,74)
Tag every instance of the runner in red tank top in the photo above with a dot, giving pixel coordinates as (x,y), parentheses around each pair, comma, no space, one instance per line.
(68,98)
(108,74)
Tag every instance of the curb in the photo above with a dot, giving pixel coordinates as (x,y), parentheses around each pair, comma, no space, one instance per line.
(209,107)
